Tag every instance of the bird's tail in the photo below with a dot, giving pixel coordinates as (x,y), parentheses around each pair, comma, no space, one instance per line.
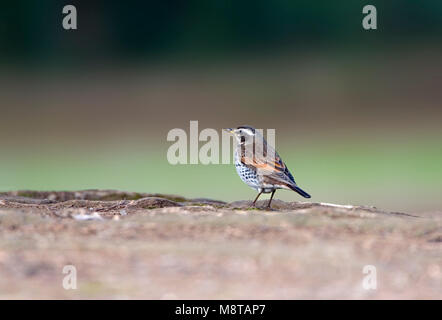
(300,191)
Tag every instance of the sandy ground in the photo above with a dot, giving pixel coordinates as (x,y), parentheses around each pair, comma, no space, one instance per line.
(146,246)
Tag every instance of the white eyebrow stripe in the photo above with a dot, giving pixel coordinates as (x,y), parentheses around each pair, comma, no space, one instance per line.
(248,131)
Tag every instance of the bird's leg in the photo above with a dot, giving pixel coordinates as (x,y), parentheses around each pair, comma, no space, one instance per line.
(270,201)
(254,201)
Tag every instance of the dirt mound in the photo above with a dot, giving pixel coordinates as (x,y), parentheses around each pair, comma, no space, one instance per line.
(109,202)
(95,195)
(141,245)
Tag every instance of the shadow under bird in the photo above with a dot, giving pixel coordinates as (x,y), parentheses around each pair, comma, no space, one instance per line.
(259,165)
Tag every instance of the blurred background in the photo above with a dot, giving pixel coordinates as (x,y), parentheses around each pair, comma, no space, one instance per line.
(357,113)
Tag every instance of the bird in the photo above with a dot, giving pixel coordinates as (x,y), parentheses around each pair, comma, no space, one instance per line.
(259,165)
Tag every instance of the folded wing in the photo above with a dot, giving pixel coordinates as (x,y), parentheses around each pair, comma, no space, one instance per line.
(270,164)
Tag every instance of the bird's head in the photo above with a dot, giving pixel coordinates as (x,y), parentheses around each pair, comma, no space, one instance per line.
(242,133)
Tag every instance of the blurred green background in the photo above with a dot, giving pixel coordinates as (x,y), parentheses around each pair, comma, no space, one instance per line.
(357,113)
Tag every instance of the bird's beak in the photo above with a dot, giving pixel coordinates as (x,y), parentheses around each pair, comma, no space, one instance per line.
(229,130)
